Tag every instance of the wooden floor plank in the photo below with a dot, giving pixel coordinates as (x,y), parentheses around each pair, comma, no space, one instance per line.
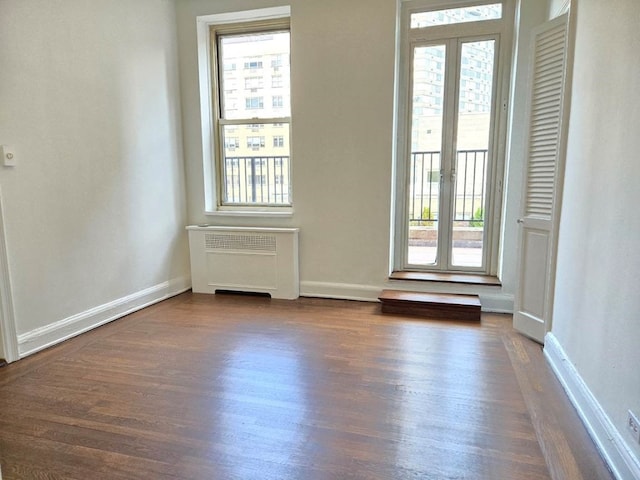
(563,438)
(219,387)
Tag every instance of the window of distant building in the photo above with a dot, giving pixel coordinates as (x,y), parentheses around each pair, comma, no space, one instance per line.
(277,81)
(252,103)
(255,143)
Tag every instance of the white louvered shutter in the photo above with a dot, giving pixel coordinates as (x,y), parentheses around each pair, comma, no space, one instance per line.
(533,301)
(545,119)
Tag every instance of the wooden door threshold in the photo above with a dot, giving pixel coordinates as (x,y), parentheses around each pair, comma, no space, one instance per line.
(464,278)
(437,306)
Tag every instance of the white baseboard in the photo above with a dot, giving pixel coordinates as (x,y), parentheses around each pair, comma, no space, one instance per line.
(341,291)
(496,302)
(44,337)
(614,449)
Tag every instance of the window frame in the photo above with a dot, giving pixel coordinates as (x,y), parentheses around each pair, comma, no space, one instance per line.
(248,21)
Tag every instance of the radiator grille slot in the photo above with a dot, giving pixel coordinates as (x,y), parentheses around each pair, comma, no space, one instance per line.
(221,241)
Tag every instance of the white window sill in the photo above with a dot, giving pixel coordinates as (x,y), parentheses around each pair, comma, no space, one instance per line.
(279,213)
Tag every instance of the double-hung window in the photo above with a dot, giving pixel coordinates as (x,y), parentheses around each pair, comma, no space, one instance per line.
(243,170)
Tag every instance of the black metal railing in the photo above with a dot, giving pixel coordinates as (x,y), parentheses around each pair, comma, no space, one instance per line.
(470,186)
(256,180)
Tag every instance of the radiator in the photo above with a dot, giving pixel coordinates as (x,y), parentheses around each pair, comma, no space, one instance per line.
(262,260)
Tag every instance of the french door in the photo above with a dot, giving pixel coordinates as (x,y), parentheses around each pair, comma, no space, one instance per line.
(450,156)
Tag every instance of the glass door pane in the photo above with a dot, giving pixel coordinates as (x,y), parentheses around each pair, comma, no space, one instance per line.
(425,156)
(472,156)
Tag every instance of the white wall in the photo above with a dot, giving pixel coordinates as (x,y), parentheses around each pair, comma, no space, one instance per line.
(557,7)
(596,316)
(342,111)
(343,55)
(95,209)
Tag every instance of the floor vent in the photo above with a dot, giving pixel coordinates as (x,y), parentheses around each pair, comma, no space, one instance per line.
(242,259)
(235,293)
(437,306)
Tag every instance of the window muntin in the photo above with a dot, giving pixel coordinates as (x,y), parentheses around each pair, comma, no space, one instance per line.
(456,15)
(254,171)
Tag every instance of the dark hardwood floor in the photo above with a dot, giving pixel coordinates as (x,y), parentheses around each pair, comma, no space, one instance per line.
(225,387)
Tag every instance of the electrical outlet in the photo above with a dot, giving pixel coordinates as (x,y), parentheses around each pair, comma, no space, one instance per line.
(634,426)
(8,156)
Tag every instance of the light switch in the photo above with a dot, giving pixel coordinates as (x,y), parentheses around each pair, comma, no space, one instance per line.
(8,156)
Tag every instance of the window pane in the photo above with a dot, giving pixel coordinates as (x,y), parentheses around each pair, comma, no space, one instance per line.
(255,167)
(456,15)
(426,145)
(474,122)
(253,65)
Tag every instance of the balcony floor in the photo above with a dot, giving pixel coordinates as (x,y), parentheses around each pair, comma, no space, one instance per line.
(463,256)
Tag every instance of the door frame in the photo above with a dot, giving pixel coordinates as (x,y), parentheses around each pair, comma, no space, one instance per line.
(503,31)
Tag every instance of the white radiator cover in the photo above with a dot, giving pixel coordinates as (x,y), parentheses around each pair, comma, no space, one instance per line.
(245,259)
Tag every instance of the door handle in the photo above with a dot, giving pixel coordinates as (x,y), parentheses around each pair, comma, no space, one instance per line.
(520,220)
